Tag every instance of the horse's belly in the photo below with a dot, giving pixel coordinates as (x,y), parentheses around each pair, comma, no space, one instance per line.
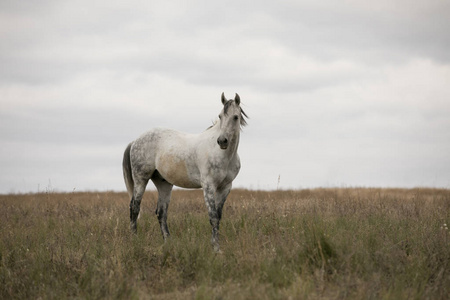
(176,171)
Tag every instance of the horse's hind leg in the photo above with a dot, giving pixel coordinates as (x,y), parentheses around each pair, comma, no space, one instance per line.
(164,193)
(135,204)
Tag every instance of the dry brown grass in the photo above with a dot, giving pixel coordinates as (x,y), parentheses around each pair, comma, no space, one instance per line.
(318,244)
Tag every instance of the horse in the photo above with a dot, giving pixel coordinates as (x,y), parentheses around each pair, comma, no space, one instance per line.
(208,160)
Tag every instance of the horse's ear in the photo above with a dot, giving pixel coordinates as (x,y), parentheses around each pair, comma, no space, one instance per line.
(237,99)
(224,100)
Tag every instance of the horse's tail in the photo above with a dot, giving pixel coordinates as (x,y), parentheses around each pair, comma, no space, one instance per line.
(126,165)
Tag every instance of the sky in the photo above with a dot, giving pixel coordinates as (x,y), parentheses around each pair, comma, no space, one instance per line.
(339,93)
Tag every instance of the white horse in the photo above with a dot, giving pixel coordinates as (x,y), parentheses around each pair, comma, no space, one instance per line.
(208,160)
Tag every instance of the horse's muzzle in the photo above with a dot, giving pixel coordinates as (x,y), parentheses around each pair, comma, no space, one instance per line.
(223,143)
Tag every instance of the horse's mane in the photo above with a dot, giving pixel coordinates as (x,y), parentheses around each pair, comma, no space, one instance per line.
(243,114)
(225,111)
(214,123)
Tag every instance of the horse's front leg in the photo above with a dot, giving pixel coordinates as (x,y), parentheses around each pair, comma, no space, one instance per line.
(209,191)
(221,196)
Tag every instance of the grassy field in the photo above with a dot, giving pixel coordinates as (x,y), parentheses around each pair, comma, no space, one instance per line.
(307,244)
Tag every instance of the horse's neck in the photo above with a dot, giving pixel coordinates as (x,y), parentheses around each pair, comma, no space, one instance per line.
(233,146)
(236,142)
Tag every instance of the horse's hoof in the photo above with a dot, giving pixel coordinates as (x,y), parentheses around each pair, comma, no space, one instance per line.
(216,248)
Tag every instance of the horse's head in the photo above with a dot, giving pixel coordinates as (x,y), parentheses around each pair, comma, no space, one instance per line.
(231,119)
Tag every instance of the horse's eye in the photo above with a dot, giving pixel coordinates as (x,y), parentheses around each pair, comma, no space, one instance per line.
(236,117)
(220,117)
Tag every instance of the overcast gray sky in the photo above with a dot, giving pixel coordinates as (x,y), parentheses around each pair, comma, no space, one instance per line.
(339,93)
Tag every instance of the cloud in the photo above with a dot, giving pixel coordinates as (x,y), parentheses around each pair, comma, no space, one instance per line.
(204,41)
(338,93)
(385,31)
